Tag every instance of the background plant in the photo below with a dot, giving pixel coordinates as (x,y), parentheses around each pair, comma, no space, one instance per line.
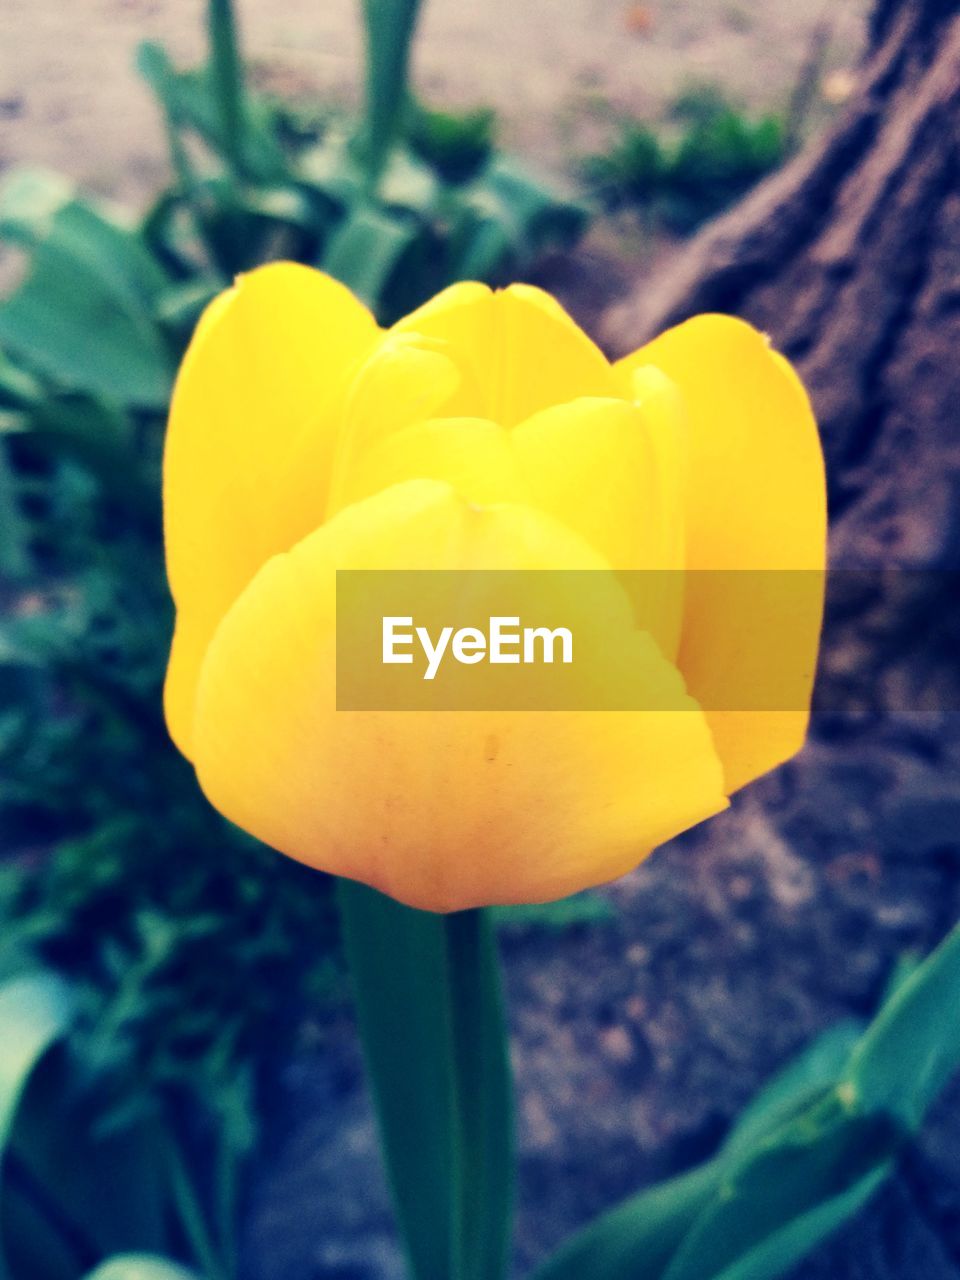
(707,155)
(810,1150)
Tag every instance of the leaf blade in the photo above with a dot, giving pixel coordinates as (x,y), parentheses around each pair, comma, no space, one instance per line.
(139,1266)
(913,1046)
(35,1012)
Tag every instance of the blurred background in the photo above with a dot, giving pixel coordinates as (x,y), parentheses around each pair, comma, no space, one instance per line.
(796,163)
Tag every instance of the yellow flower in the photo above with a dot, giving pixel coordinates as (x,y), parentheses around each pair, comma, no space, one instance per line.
(483,431)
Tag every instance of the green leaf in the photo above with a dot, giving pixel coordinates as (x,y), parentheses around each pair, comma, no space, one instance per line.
(431,1023)
(367,248)
(483,245)
(541,215)
(181,305)
(639,1237)
(632,170)
(17,387)
(786,1247)
(108,1183)
(190,99)
(35,1012)
(83,314)
(806,1154)
(15,558)
(30,201)
(408,184)
(814,1070)
(102,438)
(822,1155)
(190,1210)
(154,65)
(506,218)
(913,1047)
(32,208)
(456,144)
(139,1266)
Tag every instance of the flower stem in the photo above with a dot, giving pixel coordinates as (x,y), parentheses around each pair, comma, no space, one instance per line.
(226,67)
(430,1015)
(389,26)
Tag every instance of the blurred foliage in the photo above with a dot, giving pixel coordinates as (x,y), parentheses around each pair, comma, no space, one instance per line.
(183,930)
(456,145)
(192,950)
(703,160)
(587,908)
(112,1196)
(444,205)
(806,1154)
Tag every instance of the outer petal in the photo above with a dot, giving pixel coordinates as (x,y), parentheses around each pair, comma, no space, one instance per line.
(518,349)
(756,502)
(443,810)
(250,444)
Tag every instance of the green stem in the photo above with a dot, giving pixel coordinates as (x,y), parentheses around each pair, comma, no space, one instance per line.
(191,1213)
(225,1190)
(482,1094)
(430,1017)
(226,67)
(389,27)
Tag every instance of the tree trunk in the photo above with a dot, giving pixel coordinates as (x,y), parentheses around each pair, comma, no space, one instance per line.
(850,259)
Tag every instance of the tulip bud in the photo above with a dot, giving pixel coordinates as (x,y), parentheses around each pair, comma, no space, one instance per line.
(485,434)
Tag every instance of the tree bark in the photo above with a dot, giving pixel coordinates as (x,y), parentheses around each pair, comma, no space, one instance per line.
(850,259)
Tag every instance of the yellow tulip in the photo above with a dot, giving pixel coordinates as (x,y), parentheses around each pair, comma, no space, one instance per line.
(484,431)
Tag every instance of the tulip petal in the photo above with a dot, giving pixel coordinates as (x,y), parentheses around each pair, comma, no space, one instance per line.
(442,810)
(756,501)
(519,350)
(473,455)
(250,445)
(592,464)
(595,465)
(407,379)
